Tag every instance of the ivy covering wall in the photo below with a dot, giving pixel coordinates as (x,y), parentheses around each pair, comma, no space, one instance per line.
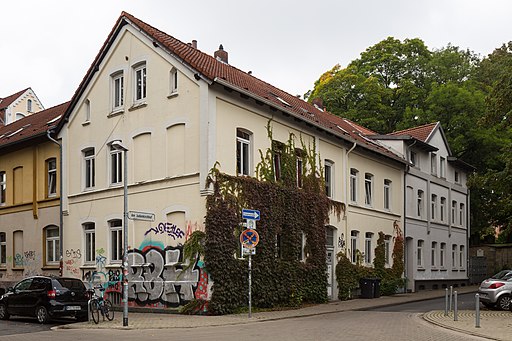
(284,271)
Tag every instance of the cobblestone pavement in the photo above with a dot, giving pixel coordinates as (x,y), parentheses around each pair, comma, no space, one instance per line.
(347,317)
(495,325)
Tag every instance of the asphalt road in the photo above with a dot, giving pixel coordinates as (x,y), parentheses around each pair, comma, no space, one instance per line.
(23,325)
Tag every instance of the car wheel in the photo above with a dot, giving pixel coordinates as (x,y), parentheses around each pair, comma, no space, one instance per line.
(4,315)
(42,314)
(503,302)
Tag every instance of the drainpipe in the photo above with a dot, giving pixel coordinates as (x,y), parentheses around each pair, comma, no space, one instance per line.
(347,197)
(61,220)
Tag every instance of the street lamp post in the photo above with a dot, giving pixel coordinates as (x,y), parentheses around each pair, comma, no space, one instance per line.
(119,146)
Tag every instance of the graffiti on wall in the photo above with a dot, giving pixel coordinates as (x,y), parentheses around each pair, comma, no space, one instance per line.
(73,261)
(169,229)
(158,276)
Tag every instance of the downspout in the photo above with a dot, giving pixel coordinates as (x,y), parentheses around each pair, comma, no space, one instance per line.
(347,197)
(61,220)
(406,259)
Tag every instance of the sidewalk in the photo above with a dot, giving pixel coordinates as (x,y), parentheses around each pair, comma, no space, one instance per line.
(494,324)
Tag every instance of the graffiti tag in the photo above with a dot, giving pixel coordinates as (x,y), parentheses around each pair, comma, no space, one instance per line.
(167,228)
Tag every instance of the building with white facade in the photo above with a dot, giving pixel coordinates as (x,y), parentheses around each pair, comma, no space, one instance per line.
(436,208)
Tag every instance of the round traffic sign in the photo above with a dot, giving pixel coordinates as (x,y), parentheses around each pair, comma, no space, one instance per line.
(249,238)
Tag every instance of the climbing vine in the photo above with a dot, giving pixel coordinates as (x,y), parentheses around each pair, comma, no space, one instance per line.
(294,208)
(349,274)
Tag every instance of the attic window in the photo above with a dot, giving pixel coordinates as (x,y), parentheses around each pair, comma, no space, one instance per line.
(53,120)
(16,132)
(280,99)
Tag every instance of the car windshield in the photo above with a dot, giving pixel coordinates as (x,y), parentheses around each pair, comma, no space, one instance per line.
(502,274)
(69,283)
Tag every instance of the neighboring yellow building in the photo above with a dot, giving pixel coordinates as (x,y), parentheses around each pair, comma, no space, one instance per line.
(16,106)
(29,197)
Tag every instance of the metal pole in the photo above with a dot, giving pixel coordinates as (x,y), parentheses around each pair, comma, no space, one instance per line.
(125,242)
(446,302)
(477,311)
(250,280)
(455,309)
(451,297)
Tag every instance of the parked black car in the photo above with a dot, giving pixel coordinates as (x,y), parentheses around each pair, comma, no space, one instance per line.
(45,297)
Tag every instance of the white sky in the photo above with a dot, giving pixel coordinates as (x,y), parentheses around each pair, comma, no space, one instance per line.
(48,45)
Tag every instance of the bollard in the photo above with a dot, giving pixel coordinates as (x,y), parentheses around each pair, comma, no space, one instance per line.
(455,309)
(446,302)
(477,311)
(451,297)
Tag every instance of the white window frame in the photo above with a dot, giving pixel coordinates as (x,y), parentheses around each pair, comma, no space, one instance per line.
(433,163)
(3,188)
(353,184)
(443,209)
(461,213)
(419,206)
(433,207)
(454,212)
(387,194)
(243,152)
(51,167)
(461,256)
(117,91)
(115,166)
(329,178)
(387,250)
(89,167)
(140,82)
(368,248)
(29,105)
(3,249)
(354,236)
(454,256)
(442,255)
(419,255)
(52,245)
(433,255)
(89,243)
(442,167)
(173,81)
(115,241)
(368,189)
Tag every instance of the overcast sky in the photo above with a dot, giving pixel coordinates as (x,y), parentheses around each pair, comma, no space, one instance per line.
(49,45)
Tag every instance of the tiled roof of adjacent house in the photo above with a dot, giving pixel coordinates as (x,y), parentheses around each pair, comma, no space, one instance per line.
(421,133)
(5,102)
(216,71)
(31,126)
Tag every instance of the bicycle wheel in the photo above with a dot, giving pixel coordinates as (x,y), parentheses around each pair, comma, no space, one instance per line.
(109,312)
(94,307)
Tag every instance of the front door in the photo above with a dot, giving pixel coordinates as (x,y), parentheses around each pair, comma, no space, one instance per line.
(329,259)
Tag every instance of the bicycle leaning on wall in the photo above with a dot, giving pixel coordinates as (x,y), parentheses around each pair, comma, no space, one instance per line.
(99,304)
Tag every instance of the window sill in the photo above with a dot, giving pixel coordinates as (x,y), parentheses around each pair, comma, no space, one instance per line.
(138,105)
(421,269)
(173,94)
(457,270)
(88,189)
(50,267)
(18,269)
(462,270)
(88,267)
(434,269)
(86,123)
(444,269)
(113,266)
(116,112)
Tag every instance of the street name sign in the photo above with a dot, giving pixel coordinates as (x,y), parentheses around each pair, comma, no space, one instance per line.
(145,216)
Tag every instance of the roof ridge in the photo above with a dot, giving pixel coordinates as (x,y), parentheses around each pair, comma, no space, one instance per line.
(399,132)
(12,97)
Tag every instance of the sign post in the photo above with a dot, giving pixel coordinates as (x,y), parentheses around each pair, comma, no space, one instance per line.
(249,239)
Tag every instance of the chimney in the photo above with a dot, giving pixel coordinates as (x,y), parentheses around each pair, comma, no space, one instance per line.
(194,44)
(317,102)
(221,55)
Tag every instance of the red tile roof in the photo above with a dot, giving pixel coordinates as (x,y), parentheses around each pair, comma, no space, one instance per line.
(215,71)
(5,102)
(421,133)
(31,126)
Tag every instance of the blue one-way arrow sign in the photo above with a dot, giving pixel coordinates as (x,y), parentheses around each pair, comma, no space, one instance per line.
(250,214)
